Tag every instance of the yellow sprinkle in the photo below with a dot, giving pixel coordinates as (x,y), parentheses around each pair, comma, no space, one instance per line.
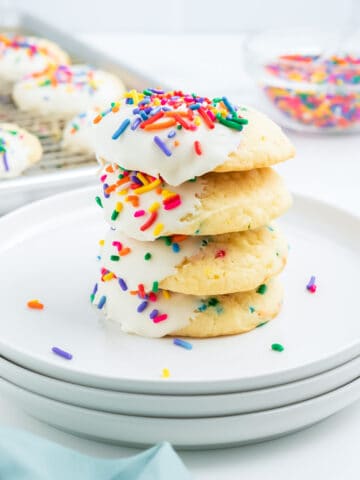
(134,96)
(108,276)
(101,242)
(197,121)
(118,206)
(158,229)
(157,101)
(166,294)
(167,194)
(165,373)
(141,177)
(155,206)
(149,187)
(124,191)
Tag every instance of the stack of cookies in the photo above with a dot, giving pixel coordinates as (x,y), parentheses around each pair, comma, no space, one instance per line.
(190,196)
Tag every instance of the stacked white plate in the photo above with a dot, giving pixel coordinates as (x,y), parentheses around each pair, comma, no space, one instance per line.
(224,391)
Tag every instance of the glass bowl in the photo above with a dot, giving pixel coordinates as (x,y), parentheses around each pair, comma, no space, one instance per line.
(308,83)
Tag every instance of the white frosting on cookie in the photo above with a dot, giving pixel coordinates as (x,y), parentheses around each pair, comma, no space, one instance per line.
(151,262)
(129,215)
(14,155)
(67,90)
(20,56)
(122,307)
(77,134)
(175,154)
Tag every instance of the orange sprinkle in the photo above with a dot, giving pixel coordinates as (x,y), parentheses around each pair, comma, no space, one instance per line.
(109,169)
(110,189)
(35,305)
(179,113)
(133,292)
(124,251)
(159,190)
(121,181)
(97,119)
(179,238)
(133,199)
(160,125)
(176,143)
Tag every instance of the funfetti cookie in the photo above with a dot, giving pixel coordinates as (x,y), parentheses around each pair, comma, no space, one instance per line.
(66,91)
(217,265)
(77,134)
(180,136)
(22,55)
(146,208)
(19,150)
(159,312)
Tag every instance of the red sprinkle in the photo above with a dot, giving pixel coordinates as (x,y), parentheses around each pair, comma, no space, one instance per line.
(149,222)
(206,118)
(141,290)
(312,289)
(103,178)
(220,253)
(151,119)
(160,318)
(197,147)
(152,297)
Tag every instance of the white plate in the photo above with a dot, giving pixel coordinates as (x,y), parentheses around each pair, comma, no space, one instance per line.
(186,406)
(183,433)
(48,251)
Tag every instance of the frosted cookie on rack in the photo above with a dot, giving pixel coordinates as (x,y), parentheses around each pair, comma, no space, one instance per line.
(65,91)
(157,313)
(218,265)
(19,150)
(146,208)
(21,55)
(77,134)
(180,136)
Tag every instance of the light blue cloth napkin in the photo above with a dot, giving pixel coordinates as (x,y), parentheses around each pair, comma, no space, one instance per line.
(26,457)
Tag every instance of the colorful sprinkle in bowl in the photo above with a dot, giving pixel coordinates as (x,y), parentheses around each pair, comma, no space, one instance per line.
(307,85)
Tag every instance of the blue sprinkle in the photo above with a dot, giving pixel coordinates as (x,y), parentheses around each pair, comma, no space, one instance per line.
(145,101)
(121,129)
(105,186)
(143,115)
(142,306)
(98,257)
(195,106)
(122,284)
(154,314)
(228,104)
(95,289)
(202,307)
(136,123)
(251,309)
(129,101)
(102,302)
(61,353)
(162,146)
(270,228)
(172,134)
(136,111)
(175,247)
(182,343)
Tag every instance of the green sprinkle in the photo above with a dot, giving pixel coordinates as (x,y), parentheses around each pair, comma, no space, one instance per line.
(13,132)
(277,347)
(193,179)
(262,289)
(147,92)
(179,127)
(115,258)
(168,241)
(261,324)
(114,215)
(217,100)
(147,256)
(240,121)
(99,202)
(252,310)
(213,301)
(229,123)
(92,296)
(155,287)
(2,149)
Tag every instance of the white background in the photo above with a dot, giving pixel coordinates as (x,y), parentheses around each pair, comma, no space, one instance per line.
(183,16)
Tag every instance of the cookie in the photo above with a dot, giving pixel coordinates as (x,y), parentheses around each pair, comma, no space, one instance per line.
(146,208)
(160,313)
(66,91)
(77,134)
(19,150)
(179,136)
(22,55)
(228,263)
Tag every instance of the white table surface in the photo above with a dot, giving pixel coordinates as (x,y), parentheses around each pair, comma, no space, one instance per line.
(325,167)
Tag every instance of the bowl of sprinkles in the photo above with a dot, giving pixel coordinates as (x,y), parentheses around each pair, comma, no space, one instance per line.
(310,80)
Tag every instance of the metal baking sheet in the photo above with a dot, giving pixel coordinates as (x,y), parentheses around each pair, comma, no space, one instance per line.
(59,169)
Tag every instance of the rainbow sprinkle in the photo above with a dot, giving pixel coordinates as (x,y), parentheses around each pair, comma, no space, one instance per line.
(62,353)
(311,286)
